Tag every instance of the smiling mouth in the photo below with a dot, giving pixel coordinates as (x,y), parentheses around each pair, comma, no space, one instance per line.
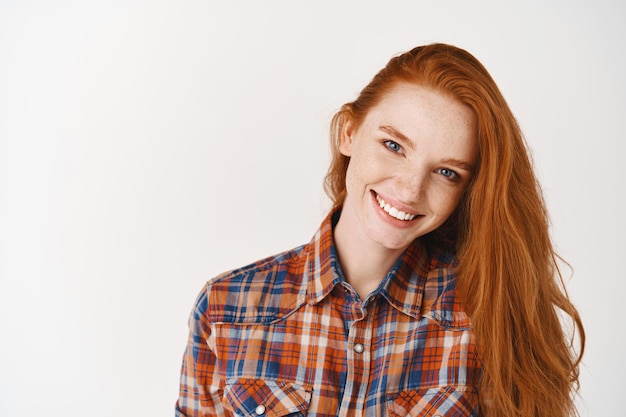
(394,212)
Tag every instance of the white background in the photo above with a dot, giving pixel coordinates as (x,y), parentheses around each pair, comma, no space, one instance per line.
(146,146)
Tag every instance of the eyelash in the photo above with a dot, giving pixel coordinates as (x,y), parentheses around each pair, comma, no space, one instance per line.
(453,175)
(390,143)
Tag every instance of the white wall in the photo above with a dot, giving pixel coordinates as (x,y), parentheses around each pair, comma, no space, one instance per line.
(147,145)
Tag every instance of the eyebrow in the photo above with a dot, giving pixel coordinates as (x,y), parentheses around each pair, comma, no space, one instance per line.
(403,138)
(459,164)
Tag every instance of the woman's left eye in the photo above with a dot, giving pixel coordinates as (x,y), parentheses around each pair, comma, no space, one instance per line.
(448,173)
(393,146)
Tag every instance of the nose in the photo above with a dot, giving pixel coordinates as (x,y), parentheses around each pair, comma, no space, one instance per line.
(412,183)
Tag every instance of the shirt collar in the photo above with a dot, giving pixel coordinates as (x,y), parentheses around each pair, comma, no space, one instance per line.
(403,286)
(322,265)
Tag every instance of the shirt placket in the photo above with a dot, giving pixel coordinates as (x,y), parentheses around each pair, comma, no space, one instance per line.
(359,357)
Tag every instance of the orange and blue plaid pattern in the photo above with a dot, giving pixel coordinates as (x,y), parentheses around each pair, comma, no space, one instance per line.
(288,336)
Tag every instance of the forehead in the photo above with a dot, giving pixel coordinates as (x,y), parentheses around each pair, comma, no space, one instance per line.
(411,97)
(418,111)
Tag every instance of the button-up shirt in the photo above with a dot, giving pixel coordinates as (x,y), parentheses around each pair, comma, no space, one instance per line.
(289,336)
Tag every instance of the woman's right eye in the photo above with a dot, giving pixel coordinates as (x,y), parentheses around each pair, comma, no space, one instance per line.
(393,146)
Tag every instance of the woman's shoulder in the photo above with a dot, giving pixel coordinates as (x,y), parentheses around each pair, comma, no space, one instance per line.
(261,292)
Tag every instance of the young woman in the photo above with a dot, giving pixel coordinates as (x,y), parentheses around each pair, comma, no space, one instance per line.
(431,289)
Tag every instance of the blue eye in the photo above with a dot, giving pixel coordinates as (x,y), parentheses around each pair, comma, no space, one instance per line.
(393,146)
(448,173)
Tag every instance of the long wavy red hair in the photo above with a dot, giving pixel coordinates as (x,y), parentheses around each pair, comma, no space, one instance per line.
(508,272)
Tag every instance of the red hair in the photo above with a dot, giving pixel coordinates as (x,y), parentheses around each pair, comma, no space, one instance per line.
(508,272)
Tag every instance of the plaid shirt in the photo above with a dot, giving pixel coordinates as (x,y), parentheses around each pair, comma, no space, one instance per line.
(288,336)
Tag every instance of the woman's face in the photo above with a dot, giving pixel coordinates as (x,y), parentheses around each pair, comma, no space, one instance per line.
(410,161)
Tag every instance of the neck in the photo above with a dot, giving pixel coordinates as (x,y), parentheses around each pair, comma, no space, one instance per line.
(364,263)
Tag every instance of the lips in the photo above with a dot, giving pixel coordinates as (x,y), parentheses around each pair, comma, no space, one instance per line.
(393,211)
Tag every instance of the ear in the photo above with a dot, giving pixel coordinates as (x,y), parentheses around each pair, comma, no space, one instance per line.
(345,145)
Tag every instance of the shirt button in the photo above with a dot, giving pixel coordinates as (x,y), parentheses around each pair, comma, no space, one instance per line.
(358,348)
(259,410)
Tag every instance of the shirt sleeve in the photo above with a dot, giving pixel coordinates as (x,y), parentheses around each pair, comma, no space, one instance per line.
(200,388)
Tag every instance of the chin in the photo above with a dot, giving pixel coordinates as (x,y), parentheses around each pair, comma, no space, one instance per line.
(395,243)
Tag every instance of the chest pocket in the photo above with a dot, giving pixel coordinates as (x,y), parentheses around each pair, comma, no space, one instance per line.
(451,401)
(250,397)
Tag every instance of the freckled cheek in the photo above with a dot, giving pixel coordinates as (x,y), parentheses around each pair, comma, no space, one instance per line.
(449,201)
(361,172)
(354,181)
(457,200)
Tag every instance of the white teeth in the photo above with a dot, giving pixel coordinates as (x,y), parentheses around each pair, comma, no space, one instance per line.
(394,212)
